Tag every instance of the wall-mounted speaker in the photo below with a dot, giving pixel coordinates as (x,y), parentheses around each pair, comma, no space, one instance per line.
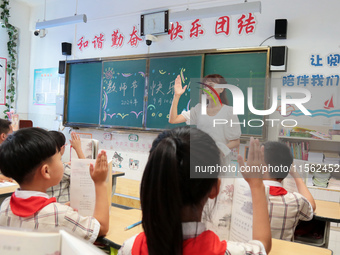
(280,29)
(62,66)
(66,48)
(278,58)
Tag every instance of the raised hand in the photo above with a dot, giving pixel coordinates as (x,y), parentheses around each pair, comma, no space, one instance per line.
(99,171)
(75,141)
(255,164)
(178,86)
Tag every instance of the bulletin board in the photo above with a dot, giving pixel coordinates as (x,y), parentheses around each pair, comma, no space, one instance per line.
(136,92)
(46,86)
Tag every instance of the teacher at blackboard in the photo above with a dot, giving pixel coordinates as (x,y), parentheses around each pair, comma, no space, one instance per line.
(226,136)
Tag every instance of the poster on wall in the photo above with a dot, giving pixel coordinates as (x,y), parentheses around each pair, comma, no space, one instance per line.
(3,67)
(46,86)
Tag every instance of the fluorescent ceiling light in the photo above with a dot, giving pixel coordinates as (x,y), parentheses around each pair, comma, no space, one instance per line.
(61,22)
(217,11)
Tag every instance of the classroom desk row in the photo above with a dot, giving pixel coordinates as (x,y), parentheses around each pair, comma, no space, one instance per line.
(328,212)
(121,218)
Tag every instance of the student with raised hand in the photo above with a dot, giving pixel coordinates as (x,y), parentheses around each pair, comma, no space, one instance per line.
(61,191)
(5,130)
(172,201)
(76,144)
(285,208)
(32,158)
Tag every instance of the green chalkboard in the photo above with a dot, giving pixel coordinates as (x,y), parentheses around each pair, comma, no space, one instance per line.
(137,92)
(163,72)
(123,93)
(243,70)
(83,93)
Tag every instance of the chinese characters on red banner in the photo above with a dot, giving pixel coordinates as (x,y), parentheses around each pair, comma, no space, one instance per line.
(246,24)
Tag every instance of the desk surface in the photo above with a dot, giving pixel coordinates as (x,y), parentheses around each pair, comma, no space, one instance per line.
(8,190)
(121,218)
(281,247)
(328,211)
(117,173)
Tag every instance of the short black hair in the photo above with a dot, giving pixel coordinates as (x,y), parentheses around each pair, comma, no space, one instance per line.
(59,138)
(23,151)
(5,126)
(278,156)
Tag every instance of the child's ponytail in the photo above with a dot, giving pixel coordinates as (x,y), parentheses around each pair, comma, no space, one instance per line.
(167,187)
(161,200)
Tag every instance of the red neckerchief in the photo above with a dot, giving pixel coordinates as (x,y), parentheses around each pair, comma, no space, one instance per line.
(277,191)
(25,207)
(206,243)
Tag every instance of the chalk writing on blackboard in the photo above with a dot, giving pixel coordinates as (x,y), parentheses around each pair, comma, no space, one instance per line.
(163,72)
(123,93)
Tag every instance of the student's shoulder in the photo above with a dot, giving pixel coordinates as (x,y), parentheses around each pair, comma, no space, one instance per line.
(127,246)
(5,204)
(60,207)
(301,198)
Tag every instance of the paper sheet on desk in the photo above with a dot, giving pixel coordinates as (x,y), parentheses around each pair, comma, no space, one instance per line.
(7,184)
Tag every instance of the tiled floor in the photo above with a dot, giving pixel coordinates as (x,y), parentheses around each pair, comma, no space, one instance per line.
(334,241)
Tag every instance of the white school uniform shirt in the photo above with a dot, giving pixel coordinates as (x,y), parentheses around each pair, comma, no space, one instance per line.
(221,133)
(285,211)
(53,216)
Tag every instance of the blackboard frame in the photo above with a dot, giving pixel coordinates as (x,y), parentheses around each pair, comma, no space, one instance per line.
(262,49)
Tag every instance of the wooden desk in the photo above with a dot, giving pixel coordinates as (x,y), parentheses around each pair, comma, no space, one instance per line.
(327,211)
(7,191)
(120,219)
(115,174)
(281,247)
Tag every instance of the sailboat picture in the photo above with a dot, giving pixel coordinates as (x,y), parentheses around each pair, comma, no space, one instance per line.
(329,103)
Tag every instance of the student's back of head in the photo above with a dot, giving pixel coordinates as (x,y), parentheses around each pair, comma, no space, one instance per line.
(167,187)
(59,137)
(279,158)
(5,126)
(22,152)
(5,129)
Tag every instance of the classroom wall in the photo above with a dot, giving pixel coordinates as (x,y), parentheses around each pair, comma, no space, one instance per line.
(20,15)
(311,31)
